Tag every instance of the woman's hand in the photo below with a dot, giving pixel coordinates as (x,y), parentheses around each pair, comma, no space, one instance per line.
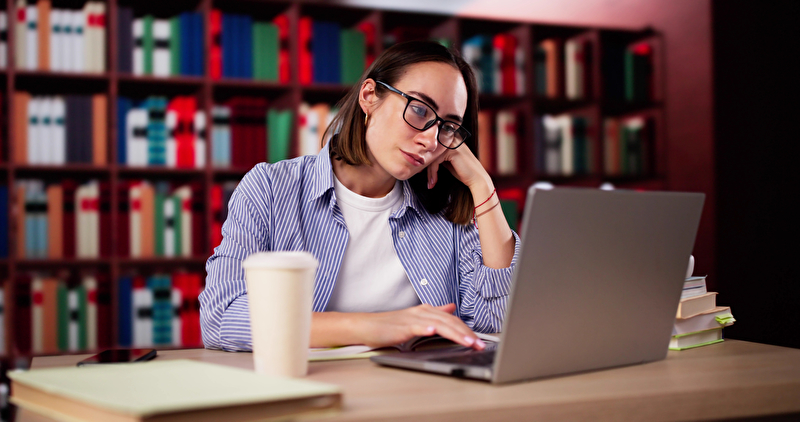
(384,329)
(464,166)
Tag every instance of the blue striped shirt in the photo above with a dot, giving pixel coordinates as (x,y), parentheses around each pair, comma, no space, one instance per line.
(291,206)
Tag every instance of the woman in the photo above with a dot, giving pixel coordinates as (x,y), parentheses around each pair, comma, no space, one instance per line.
(402,217)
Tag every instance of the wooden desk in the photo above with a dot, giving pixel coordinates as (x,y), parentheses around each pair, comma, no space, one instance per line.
(734,379)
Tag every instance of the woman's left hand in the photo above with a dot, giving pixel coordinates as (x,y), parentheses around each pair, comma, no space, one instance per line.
(462,163)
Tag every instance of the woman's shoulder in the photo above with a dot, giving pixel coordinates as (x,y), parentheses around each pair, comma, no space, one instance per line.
(281,172)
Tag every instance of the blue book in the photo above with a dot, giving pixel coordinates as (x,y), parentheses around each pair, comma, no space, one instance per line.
(199,44)
(4,221)
(125,311)
(30,222)
(156,131)
(41,224)
(325,46)
(123,106)
(161,286)
(246,47)
(186,43)
(487,63)
(227,44)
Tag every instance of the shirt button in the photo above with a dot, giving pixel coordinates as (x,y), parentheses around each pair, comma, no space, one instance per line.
(423,282)
(401,235)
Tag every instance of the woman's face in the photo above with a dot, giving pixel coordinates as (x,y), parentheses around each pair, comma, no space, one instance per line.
(397,148)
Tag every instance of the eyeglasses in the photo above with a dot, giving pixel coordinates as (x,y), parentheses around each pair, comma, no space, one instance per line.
(421,117)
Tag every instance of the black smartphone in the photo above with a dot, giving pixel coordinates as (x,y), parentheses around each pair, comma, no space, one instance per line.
(119,356)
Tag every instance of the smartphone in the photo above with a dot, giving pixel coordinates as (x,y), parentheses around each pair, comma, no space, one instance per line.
(119,356)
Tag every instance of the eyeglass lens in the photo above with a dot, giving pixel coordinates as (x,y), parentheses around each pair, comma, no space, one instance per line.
(421,117)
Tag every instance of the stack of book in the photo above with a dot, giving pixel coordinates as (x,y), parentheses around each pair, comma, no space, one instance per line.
(628,145)
(244,48)
(260,133)
(564,144)
(220,196)
(155,46)
(161,132)
(159,310)
(629,71)
(313,121)
(570,77)
(157,219)
(498,62)
(60,39)
(59,130)
(499,135)
(63,220)
(58,314)
(330,53)
(699,320)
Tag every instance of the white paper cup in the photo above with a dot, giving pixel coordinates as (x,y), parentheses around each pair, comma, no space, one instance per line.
(279,288)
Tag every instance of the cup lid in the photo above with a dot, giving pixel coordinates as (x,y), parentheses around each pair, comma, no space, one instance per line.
(281,259)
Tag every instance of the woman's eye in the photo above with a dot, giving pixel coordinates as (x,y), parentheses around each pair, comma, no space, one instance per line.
(448,129)
(419,110)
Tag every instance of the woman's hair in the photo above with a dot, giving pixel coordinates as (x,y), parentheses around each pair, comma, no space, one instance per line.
(349,144)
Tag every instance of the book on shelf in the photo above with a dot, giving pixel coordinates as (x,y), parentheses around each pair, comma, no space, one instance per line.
(160,46)
(578,67)
(696,305)
(628,144)
(506,142)
(361,351)
(497,61)
(696,339)
(566,148)
(76,393)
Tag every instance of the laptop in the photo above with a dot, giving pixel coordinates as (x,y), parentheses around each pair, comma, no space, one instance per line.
(597,285)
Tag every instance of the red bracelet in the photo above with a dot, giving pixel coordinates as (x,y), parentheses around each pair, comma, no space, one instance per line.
(474,218)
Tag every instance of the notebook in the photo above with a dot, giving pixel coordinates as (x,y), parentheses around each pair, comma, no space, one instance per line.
(596,285)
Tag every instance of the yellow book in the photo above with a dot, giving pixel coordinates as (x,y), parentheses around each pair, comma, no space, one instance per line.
(170,390)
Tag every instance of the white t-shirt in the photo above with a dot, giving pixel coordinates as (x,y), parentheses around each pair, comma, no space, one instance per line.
(371,278)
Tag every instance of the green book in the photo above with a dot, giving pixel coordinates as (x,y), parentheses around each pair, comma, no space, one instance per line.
(509,208)
(178,229)
(158,205)
(175,46)
(629,75)
(279,125)
(83,342)
(271,47)
(258,51)
(62,297)
(353,45)
(136,391)
(148,44)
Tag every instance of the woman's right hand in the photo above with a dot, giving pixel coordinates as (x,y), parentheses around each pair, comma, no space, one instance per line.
(383,329)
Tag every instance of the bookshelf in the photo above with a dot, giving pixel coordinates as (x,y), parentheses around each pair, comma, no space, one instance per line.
(596,105)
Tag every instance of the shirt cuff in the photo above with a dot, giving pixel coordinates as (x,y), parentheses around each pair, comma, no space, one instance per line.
(496,282)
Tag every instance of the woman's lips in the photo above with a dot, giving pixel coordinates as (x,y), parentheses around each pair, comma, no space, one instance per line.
(415,160)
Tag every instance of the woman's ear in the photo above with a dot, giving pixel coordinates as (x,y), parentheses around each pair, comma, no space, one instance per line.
(367,98)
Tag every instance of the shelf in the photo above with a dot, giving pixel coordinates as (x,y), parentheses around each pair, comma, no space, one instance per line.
(159,80)
(545,105)
(39,170)
(162,261)
(46,74)
(125,171)
(620,107)
(54,263)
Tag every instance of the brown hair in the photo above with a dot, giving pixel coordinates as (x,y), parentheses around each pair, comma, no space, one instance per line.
(349,144)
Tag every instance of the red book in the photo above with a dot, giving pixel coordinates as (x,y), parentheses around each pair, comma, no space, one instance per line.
(69,217)
(306,59)
(215,55)
(22,314)
(215,235)
(105,320)
(190,314)
(184,109)
(105,219)
(507,45)
(368,29)
(248,131)
(284,69)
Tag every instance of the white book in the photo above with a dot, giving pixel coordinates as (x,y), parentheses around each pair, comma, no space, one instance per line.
(142,317)
(67,40)
(79,41)
(552,144)
(506,143)
(222,128)
(32,34)
(56,36)
(94,220)
(81,222)
(171,121)
(177,328)
(720,316)
(161,48)
(74,324)
(135,220)
(59,131)
(138,49)
(169,226)
(34,149)
(200,142)
(136,134)
(37,315)
(309,137)
(46,137)
(90,285)
(471,52)
(3,65)
(567,145)
(95,36)
(20,36)
(184,193)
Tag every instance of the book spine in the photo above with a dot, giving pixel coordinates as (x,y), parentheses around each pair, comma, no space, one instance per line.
(89,285)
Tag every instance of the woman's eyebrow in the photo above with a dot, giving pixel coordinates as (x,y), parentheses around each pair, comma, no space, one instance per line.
(433,104)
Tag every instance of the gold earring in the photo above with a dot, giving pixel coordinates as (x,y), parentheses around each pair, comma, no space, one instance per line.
(366,119)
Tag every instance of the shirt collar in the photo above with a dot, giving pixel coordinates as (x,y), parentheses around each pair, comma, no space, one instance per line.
(323,182)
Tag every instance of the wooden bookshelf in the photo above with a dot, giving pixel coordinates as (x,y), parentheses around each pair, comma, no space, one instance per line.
(116,84)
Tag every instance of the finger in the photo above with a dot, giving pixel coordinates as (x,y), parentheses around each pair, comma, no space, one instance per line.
(433,169)
(460,334)
(449,308)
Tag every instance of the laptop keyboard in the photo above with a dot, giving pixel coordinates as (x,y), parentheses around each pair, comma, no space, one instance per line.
(475,358)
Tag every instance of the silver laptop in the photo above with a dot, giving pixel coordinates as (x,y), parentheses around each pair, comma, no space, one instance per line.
(597,285)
